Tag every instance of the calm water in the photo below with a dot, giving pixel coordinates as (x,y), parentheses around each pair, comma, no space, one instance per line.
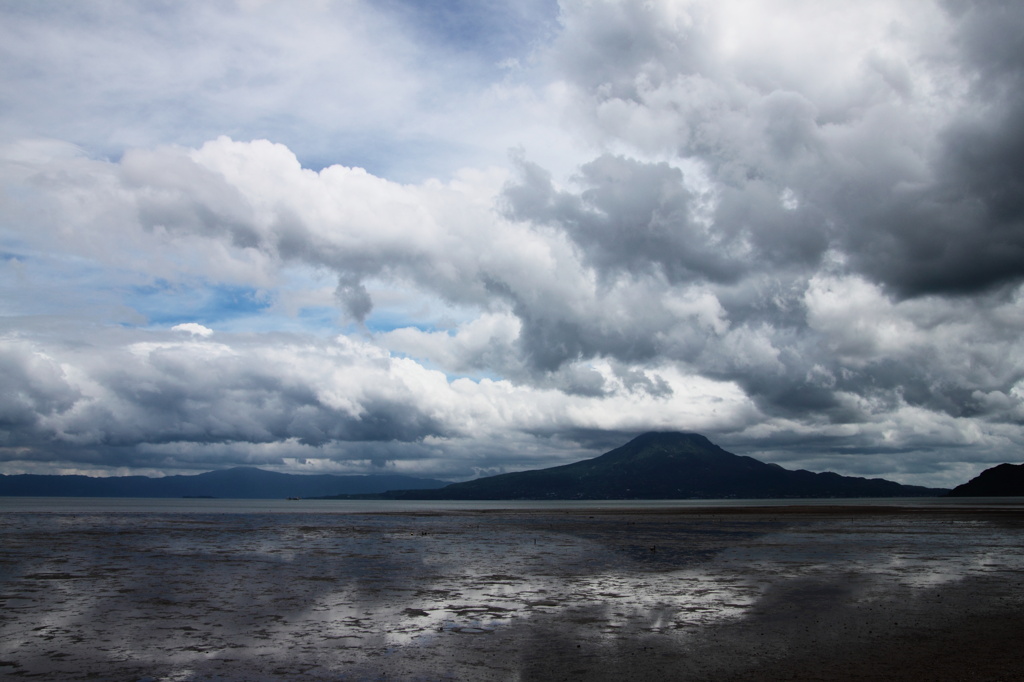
(185,590)
(229,506)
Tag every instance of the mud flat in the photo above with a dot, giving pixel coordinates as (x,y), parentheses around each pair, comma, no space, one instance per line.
(805,593)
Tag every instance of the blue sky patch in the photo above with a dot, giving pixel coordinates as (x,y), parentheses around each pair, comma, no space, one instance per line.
(167,304)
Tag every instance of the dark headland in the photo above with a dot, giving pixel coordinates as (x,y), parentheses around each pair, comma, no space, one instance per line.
(665,466)
(1005,480)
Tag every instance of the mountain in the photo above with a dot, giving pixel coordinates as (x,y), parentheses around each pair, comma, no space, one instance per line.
(239,482)
(666,466)
(1005,480)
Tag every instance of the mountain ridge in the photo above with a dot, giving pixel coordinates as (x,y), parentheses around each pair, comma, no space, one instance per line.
(667,465)
(233,483)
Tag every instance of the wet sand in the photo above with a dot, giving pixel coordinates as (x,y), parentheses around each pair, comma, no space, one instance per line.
(800,593)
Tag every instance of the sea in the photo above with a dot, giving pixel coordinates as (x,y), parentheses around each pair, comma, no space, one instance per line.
(312,506)
(197,589)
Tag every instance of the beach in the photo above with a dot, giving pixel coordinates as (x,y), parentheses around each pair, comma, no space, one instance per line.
(741,593)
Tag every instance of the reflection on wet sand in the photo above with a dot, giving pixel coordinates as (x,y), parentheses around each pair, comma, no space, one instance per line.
(744,594)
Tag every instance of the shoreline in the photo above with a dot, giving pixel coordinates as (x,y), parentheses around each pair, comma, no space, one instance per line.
(9,504)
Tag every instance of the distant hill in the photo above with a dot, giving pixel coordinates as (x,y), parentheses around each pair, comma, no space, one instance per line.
(666,466)
(239,482)
(1004,480)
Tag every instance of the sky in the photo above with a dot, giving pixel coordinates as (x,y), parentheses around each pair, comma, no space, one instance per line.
(462,238)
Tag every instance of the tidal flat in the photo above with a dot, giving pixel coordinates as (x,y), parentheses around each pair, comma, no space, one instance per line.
(744,593)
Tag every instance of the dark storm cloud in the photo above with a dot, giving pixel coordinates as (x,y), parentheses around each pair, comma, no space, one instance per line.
(947,221)
(629,217)
(963,231)
(34,387)
(170,393)
(793,189)
(962,234)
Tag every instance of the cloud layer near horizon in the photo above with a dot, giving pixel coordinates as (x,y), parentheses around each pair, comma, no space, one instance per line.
(337,237)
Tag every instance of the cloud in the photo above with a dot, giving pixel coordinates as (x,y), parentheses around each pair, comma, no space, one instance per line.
(629,217)
(144,74)
(193,328)
(125,403)
(794,227)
